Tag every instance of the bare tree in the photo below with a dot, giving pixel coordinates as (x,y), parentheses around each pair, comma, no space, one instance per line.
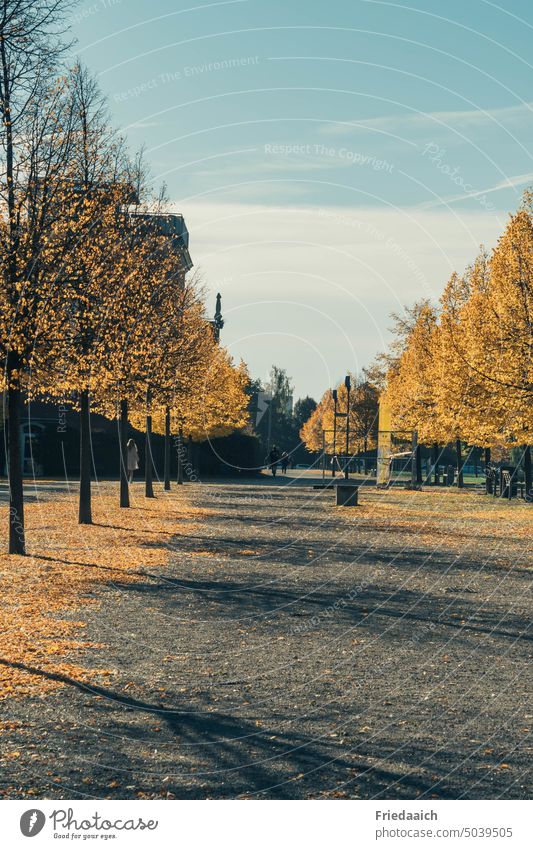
(403,323)
(34,143)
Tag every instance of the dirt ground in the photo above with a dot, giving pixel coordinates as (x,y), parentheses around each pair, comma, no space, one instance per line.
(252,640)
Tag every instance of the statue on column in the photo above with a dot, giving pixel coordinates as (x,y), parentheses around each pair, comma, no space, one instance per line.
(218,321)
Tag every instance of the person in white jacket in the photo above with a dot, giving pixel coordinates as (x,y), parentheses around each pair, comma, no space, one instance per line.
(133,459)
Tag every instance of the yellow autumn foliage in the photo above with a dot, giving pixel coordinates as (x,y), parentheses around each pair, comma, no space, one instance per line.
(466,371)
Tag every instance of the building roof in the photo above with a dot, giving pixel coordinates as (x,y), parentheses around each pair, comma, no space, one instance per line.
(171,224)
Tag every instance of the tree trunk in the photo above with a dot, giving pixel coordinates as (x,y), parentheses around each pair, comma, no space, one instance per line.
(148,463)
(414,461)
(84,512)
(435,463)
(418,456)
(489,481)
(528,473)
(190,458)
(468,458)
(17,544)
(123,440)
(460,480)
(180,456)
(166,472)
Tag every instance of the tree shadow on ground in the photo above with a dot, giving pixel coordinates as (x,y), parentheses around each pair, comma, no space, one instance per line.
(210,753)
(289,606)
(281,540)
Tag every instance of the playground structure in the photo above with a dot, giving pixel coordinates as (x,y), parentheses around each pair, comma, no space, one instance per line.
(401,460)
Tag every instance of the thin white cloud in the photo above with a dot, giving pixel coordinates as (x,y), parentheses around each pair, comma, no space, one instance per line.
(260,166)
(507,116)
(141,125)
(508,183)
(307,162)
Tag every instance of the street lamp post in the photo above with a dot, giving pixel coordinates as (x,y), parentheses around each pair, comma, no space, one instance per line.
(347,384)
(333,470)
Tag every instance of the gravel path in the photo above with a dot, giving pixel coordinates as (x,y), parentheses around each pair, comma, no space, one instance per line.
(295,650)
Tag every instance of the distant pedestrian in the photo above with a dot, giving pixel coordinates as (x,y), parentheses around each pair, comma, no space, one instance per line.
(273,460)
(133,458)
(284,462)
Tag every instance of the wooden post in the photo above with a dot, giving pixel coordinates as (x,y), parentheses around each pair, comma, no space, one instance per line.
(435,463)
(190,458)
(180,455)
(148,462)
(84,506)
(335,399)
(489,480)
(347,383)
(460,480)
(17,544)
(166,471)
(414,460)
(123,445)
(528,473)
(418,455)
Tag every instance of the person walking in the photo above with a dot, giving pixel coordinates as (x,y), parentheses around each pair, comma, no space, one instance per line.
(284,462)
(335,463)
(133,458)
(273,460)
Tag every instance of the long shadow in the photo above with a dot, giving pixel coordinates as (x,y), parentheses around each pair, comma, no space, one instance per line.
(294,552)
(346,548)
(371,608)
(114,569)
(227,746)
(213,753)
(135,530)
(298,520)
(257,596)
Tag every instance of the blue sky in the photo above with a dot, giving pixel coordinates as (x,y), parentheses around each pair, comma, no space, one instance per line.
(333,160)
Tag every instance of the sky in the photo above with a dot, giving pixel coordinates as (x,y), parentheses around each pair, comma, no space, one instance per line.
(334,161)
